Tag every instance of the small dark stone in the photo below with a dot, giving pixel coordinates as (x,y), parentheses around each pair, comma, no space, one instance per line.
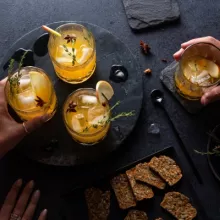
(28,60)
(118,73)
(40,45)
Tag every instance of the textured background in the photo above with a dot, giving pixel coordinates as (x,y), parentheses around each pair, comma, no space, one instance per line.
(198,18)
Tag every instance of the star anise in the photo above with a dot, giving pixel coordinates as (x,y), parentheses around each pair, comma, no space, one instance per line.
(71,107)
(70,38)
(145,47)
(40,102)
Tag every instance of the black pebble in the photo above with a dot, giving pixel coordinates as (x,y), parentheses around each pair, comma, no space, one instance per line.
(118,73)
(40,45)
(28,60)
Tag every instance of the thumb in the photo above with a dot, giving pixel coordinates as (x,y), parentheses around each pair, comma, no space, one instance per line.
(211,96)
(35,123)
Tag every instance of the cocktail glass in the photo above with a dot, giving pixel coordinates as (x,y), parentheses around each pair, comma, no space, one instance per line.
(198,71)
(33,95)
(73,54)
(85,118)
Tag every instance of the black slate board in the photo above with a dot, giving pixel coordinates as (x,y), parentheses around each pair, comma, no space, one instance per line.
(147,13)
(167,77)
(74,205)
(110,50)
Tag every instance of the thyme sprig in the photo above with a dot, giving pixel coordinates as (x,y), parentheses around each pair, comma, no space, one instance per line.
(105,121)
(14,80)
(215,150)
(70,39)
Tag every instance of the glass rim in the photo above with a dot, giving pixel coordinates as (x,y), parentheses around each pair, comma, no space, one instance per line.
(180,64)
(51,96)
(64,118)
(77,66)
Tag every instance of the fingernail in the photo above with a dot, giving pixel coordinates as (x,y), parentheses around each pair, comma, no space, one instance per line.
(46,117)
(37,194)
(31,184)
(44,213)
(19,182)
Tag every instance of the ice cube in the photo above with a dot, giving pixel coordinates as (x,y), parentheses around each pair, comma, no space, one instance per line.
(65,57)
(25,83)
(97,115)
(78,122)
(86,101)
(26,100)
(86,53)
(201,78)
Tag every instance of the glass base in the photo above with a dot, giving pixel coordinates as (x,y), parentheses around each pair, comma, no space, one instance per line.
(77,81)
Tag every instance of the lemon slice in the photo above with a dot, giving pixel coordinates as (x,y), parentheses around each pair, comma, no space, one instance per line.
(212,69)
(104,91)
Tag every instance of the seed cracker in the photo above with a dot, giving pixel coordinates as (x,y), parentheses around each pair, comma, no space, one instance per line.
(144,174)
(178,205)
(136,215)
(123,191)
(167,169)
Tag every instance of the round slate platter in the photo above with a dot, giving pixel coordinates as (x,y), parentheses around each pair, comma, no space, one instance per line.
(66,152)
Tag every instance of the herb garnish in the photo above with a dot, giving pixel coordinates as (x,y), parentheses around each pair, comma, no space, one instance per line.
(14,80)
(87,38)
(71,107)
(215,150)
(40,102)
(103,122)
(70,39)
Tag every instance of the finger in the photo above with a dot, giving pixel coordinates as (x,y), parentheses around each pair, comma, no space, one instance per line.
(29,213)
(43,215)
(35,123)
(178,54)
(211,96)
(199,40)
(10,200)
(3,81)
(22,201)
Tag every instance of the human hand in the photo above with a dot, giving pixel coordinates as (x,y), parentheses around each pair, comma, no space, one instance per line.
(21,210)
(11,132)
(213,94)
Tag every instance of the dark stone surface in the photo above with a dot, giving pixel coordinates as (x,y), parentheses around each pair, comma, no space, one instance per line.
(129,93)
(198,18)
(167,77)
(148,13)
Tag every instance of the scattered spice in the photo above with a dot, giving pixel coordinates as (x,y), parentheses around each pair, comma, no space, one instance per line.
(71,107)
(145,47)
(164,60)
(40,102)
(148,71)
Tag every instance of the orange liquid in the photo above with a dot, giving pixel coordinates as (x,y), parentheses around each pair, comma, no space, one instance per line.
(85,55)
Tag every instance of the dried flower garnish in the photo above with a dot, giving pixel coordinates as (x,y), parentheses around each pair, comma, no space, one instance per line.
(145,47)
(164,60)
(40,102)
(148,71)
(70,39)
(71,107)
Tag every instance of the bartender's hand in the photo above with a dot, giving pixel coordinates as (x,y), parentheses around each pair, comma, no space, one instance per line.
(213,94)
(19,208)
(11,132)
